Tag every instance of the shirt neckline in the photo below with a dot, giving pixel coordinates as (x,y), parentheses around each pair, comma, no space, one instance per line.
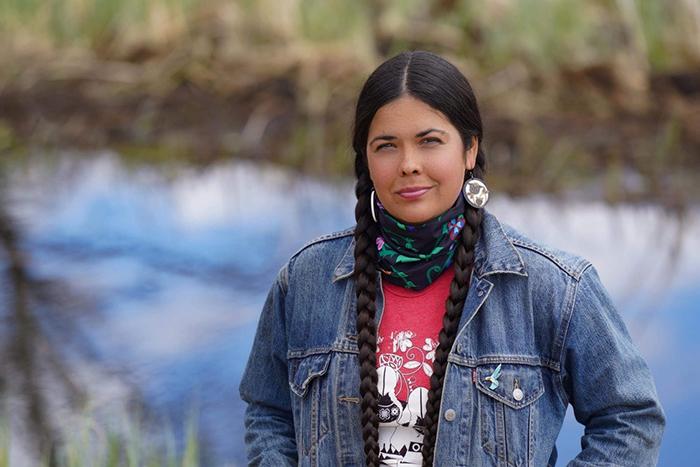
(399,291)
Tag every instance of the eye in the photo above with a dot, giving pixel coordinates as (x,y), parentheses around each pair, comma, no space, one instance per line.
(383,145)
(431,139)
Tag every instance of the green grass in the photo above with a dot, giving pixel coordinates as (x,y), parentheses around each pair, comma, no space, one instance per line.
(94,444)
(543,33)
(92,24)
(4,443)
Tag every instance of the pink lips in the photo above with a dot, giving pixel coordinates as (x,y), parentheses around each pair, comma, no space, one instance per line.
(413,192)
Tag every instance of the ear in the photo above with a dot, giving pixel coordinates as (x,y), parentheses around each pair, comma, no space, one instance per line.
(470,154)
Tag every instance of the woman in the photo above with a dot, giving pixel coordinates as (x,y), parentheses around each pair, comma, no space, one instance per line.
(430,333)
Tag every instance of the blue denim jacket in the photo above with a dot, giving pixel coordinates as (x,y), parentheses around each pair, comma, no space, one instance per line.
(540,313)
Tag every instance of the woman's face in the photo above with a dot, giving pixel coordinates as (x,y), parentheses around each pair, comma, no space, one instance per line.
(416,159)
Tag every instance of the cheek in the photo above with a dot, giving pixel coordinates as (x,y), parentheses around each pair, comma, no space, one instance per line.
(448,174)
(380,173)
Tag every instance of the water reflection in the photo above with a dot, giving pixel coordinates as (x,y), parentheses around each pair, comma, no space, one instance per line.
(142,286)
(22,356)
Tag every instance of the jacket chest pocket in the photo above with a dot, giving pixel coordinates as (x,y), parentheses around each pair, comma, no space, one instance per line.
(308,382)
(508,416)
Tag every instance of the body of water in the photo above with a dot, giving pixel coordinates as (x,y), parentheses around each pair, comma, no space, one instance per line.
(146,285)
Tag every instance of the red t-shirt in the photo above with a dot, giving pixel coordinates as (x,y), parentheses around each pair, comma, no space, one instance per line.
(406,342)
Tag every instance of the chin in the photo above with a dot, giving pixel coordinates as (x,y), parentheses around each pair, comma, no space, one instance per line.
(416,217)
(413,212)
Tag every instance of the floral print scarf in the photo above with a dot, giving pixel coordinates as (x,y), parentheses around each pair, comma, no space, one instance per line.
(414,255)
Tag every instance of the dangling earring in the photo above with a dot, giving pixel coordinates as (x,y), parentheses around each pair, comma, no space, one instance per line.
(371,206)
(475,192)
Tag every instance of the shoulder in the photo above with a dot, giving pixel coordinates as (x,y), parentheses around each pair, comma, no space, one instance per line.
(323,252)
(540,257)
(325,243)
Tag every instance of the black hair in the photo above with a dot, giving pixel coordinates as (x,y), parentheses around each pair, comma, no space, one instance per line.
(438,83)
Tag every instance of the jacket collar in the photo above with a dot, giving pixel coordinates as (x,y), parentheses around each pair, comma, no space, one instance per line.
(494,253)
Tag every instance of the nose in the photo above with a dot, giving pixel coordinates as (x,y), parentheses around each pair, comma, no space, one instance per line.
(410,163)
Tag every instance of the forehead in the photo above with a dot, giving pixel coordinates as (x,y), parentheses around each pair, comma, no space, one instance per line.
(407,114)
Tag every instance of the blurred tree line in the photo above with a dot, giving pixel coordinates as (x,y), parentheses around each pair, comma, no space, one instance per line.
(600,95)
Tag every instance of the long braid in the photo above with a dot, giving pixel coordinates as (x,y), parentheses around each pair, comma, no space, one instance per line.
(463,265)
(366,290)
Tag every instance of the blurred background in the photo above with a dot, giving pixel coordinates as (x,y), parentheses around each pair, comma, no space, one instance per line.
(160,160)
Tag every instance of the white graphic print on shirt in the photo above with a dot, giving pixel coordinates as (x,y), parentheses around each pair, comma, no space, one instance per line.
(403,382)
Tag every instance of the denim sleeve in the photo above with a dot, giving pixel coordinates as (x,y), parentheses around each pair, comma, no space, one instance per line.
(608,383)
(269,427)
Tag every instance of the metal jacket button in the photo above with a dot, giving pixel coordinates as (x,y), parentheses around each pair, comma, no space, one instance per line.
(450,415)
(518,394)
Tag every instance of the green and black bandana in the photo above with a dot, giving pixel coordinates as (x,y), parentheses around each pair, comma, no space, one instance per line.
(414,255)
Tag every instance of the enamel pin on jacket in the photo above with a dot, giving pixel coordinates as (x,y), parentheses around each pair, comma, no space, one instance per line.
(538,332)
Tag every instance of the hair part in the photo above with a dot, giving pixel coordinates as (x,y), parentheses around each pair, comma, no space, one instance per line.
(442,86)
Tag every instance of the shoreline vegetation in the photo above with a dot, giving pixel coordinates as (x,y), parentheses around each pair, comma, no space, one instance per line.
(97,443)
(576,96)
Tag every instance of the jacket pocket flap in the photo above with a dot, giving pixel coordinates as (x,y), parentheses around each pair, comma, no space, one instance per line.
(513,384)
(304,369)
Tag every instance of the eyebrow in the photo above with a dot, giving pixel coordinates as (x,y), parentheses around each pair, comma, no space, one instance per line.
(418,135)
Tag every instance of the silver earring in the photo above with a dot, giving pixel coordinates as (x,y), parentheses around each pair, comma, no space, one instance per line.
(475,192)
(371,206)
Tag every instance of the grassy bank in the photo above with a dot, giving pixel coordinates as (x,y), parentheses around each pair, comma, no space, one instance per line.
(569,90)
(656,36)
